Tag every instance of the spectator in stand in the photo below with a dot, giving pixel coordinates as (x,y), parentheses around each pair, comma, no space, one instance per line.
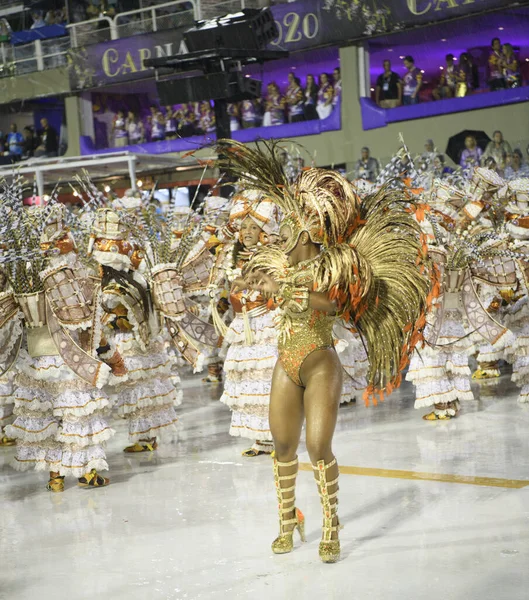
(429,150)
(447,82)
(464,76)
(337,85)
(187,125)
(171,123)
(389,88)
(311,99)
(234,112)
(15,143)
(499,149)
(30,142)
(496,77)
(274,106)
(511,67)
(516,168)
(325,97)
(50,19)
(157,125)
(471,155)
(48,141)
(206,120)
(119,130)
(250,114)
(38,20)
(367,167)
(135,129)
(439,167)
(412,82)
(295,100)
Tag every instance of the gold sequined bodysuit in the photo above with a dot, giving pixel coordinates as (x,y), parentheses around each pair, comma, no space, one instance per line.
(302,333)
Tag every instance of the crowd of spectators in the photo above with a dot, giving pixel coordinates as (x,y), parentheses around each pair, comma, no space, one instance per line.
(458,78)
(18,145)
(316,100)
(497,156)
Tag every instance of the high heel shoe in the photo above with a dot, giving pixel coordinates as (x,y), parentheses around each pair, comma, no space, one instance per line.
(284,542)
(329,549)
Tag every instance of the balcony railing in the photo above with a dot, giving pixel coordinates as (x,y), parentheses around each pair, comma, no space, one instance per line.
(40,55)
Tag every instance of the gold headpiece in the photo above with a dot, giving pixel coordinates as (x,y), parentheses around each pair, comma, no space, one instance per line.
(320,201)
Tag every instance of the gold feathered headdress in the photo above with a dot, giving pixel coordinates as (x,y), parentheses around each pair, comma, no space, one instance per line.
(319,201)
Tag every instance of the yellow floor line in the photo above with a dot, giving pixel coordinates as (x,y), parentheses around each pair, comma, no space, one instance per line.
(418,476)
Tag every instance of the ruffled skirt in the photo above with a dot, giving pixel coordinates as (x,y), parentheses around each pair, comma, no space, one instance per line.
(441,373)
(248,373)
(7,402)
(148,397)
(60,424)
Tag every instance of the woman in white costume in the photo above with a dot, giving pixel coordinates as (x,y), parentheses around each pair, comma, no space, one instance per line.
(148,397)
(250,342)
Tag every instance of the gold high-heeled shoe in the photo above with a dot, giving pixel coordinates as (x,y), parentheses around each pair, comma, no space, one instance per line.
(284,543)
(329,549)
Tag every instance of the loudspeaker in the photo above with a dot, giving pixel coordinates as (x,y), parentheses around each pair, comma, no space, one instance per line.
(252,29)
(232,87)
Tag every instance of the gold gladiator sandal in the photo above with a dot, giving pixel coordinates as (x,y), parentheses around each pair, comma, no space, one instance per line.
(56,483)
(329,547)
(286,496)
(93,480)
(142,446)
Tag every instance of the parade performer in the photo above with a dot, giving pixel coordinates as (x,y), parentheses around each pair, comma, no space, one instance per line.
(59,404)
(250,342)
(465,254)
(517,226)
(338,257)
(148,397)
(6,382)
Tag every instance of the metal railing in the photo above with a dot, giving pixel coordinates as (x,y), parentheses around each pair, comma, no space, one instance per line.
(158,17)
(93,31)
(40,55)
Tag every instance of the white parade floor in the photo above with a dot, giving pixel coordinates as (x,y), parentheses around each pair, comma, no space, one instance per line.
(195,520)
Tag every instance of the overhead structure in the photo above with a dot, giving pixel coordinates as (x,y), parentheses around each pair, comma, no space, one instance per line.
(219,48)
(49,171)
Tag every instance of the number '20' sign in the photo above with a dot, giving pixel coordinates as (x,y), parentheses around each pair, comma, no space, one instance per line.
(294,28)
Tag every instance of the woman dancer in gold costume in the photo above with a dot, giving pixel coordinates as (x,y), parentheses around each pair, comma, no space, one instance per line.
(339,256)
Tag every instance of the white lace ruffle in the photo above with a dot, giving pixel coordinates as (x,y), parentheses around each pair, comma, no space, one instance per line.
(249,426)
(263,329)
(155,392)
(31,429)
(45,368)
(52,458)
(444,390)
(246,393)
(88,432)
(70,403)
(158,422)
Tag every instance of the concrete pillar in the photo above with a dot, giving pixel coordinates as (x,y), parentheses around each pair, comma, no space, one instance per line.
(73,123)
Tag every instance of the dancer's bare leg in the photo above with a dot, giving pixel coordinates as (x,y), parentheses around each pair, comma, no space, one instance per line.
(286,422)
(322,375)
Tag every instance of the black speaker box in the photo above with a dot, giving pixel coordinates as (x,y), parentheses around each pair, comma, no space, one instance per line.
(252,29)
(233,87)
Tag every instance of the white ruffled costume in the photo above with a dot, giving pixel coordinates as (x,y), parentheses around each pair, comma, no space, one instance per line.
(518,313)
(147,397)
(441,374)
(60,422)
(250,343)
